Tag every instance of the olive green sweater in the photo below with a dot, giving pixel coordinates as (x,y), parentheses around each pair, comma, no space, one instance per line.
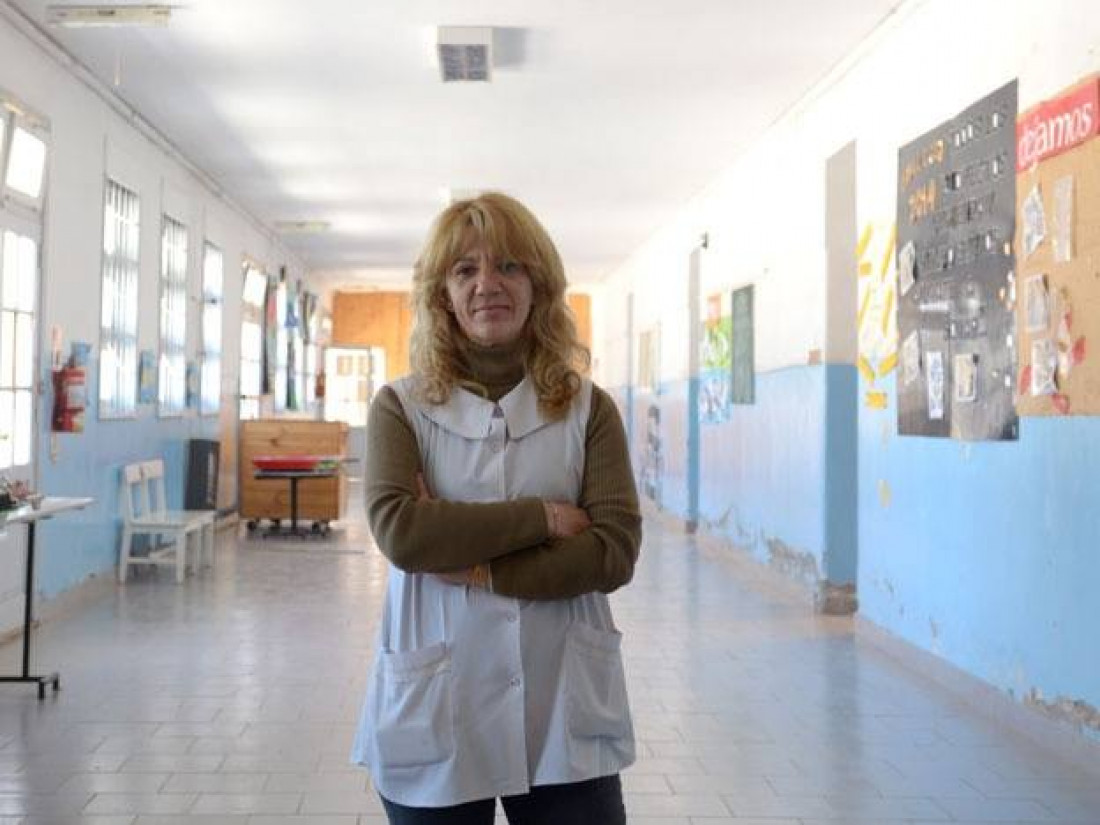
(433,536)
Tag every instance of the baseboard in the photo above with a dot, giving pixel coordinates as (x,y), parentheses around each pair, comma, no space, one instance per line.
(1062,739)
(750,568)
(1055,735)
(822,597)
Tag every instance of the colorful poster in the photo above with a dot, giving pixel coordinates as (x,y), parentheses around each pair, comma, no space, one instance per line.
(147,377)
(271,335)
(715,377)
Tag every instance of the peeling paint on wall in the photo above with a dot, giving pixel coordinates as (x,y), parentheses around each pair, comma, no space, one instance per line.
(1074,711)
(795,564)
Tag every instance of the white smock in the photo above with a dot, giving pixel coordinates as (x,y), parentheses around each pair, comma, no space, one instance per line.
(474,695)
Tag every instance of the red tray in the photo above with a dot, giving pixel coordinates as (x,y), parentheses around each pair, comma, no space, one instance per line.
(286,462)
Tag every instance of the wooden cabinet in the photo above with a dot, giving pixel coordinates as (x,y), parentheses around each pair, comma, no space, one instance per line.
(319,499)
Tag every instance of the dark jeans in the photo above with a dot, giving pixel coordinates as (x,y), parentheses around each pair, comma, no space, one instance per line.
(595,802)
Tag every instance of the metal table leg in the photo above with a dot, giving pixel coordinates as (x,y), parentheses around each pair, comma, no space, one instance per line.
(28,621)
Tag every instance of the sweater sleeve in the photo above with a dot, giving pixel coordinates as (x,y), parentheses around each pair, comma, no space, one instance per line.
(433,536)
(602,557)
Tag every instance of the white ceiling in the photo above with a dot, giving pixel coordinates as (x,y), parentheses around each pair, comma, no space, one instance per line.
(604,116)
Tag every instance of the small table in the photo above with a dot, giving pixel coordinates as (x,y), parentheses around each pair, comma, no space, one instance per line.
(294,476)
(25,514)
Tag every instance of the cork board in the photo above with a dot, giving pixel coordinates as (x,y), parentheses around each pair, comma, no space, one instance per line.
(1058,282)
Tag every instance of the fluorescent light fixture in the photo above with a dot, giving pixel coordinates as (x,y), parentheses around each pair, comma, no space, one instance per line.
(302,227)
(465,53)
(108,15)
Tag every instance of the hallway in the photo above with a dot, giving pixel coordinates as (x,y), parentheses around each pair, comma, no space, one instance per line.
(231,699)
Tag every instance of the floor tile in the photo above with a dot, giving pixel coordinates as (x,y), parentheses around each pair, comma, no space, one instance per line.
(235,698)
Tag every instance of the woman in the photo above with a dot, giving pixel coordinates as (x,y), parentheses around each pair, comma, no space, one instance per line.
(499,487)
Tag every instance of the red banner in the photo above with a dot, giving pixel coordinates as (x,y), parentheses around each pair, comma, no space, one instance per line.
(1058,125)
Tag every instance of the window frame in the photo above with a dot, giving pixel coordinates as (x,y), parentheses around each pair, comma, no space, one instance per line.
(172,284)
(22,230)
(13,118)
(252,314)
(126,372)
(210,358)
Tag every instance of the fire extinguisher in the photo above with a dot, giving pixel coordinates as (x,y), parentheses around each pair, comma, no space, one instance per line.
(69,400)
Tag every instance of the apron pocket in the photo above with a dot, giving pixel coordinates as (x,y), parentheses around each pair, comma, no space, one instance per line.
(414,717)
(596,685)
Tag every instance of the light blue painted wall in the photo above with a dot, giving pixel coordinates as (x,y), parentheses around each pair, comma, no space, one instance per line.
(76,546)
(763,472)
(986,553)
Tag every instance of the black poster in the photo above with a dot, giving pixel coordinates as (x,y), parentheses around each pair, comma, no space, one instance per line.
(956,282)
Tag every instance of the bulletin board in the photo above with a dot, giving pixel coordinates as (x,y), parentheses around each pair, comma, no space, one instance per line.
(956,321)
(1058,249)
(742,364)
(715,365)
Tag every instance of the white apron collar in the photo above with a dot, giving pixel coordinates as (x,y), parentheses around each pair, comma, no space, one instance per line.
(470,415)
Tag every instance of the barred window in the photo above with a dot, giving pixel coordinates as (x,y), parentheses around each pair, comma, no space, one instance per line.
(210,379)
(252,342)
(119,306)
(172,373)
(18,287)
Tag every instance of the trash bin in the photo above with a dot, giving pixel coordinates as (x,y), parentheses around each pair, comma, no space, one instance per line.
(202,474)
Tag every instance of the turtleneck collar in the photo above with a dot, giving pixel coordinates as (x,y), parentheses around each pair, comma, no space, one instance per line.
(498,369)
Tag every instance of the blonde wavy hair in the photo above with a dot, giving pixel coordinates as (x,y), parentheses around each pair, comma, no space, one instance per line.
(554,354)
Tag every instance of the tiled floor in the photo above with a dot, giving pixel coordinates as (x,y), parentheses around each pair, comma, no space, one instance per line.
(231,699)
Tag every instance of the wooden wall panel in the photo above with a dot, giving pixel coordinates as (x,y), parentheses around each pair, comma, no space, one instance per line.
(581,305)
(374,319)
(384,319)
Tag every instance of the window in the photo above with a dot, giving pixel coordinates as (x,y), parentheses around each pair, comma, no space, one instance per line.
(210,379)
(18,290)
(27,164)
(352,375)
(119,308)
(281,389)
(24,150)
(252,309)
(172,372)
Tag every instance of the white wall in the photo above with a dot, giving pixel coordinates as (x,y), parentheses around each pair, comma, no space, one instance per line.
(90,139)
(949,560)
(765,215)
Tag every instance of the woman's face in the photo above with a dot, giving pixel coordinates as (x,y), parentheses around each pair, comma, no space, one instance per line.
(490,298)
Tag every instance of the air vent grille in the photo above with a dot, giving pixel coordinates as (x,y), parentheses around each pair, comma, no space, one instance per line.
(465,53)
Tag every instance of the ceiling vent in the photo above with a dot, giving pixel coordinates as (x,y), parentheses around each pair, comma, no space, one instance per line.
(108,16)
(465,53)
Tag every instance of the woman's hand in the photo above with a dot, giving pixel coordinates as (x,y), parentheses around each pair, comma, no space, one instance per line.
(564,520)
(474,576)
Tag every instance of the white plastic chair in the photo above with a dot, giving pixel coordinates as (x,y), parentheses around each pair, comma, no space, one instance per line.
(170,531)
